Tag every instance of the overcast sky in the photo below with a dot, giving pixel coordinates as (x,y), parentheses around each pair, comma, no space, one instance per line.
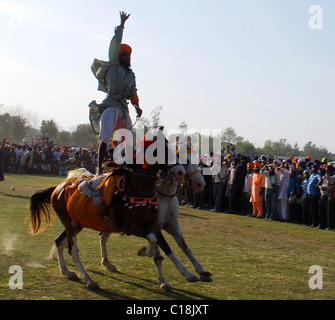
(259,66)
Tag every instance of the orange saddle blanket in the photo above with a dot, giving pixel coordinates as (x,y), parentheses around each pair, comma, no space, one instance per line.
(87,197)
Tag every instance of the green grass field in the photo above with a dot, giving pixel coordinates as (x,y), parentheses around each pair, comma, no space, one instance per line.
(250,259)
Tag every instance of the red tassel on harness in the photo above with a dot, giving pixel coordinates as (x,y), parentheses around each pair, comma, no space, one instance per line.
(145,165)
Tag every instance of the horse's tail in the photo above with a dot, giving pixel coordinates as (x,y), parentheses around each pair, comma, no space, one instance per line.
(40,208)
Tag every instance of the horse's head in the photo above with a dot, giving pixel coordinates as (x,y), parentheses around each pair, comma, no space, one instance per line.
(159,153)
(193,172)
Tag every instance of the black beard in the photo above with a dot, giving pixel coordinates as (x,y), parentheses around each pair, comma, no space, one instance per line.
(125,64)
(271,173)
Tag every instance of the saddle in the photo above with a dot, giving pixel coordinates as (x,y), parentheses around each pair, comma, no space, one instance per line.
(87,198)
(91,200)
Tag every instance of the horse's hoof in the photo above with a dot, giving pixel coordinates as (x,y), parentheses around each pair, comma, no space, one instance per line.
(166,287)
(205,277)
(193,278)
(142,252)
(92,285)
(110,267)
(72,276)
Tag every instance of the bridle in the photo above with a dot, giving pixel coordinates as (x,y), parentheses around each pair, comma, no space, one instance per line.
(189,175)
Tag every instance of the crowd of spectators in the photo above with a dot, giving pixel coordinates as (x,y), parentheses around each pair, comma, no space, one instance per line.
(41,156)
(297,190)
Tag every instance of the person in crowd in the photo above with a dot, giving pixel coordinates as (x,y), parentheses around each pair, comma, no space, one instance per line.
(28,160)
(326,187)
(235,182)
(272,183)
(19,154)
(301,167)
(218,183)
(257,191)
(189,194)
(323,202)
(207,193)
(291,189)
(11,159)
(263,160)
(331,196)
(230,150)
(241,172)
(284,174)
(306,217)
(246,204)
(313,194)
(295,203)
(2,177)
(48,158)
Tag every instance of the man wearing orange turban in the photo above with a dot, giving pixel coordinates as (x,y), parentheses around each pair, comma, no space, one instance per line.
(257,191)
(118,81)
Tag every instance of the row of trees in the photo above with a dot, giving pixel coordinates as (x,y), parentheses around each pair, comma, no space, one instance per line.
(18,129)
(279,148)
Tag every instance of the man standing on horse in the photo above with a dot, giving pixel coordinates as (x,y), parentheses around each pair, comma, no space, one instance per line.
(118,81)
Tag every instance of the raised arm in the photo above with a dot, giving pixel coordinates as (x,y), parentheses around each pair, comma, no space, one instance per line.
(115,44)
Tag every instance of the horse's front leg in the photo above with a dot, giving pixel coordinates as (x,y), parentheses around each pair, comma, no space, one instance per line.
(205,276)
(191,277)
(103,237)
(158,259)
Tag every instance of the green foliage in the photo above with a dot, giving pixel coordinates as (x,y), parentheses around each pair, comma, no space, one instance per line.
(278,148)
(49,129)
(83,136)
(17,129)
(230,136)
(315,152)
(246,148)
(12,127)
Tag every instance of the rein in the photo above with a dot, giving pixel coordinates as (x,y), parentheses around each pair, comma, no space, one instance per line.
(134,123)
(142,175)
(189,175)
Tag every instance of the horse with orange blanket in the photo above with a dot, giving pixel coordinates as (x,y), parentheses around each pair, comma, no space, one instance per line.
(121,201)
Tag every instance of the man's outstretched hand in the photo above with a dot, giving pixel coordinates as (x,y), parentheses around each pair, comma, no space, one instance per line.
(124,17)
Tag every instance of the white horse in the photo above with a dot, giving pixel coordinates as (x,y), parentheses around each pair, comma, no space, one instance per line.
(168,213)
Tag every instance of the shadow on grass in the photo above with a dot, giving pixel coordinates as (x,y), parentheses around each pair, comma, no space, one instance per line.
(176,294)
(192,215)
(14,195)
